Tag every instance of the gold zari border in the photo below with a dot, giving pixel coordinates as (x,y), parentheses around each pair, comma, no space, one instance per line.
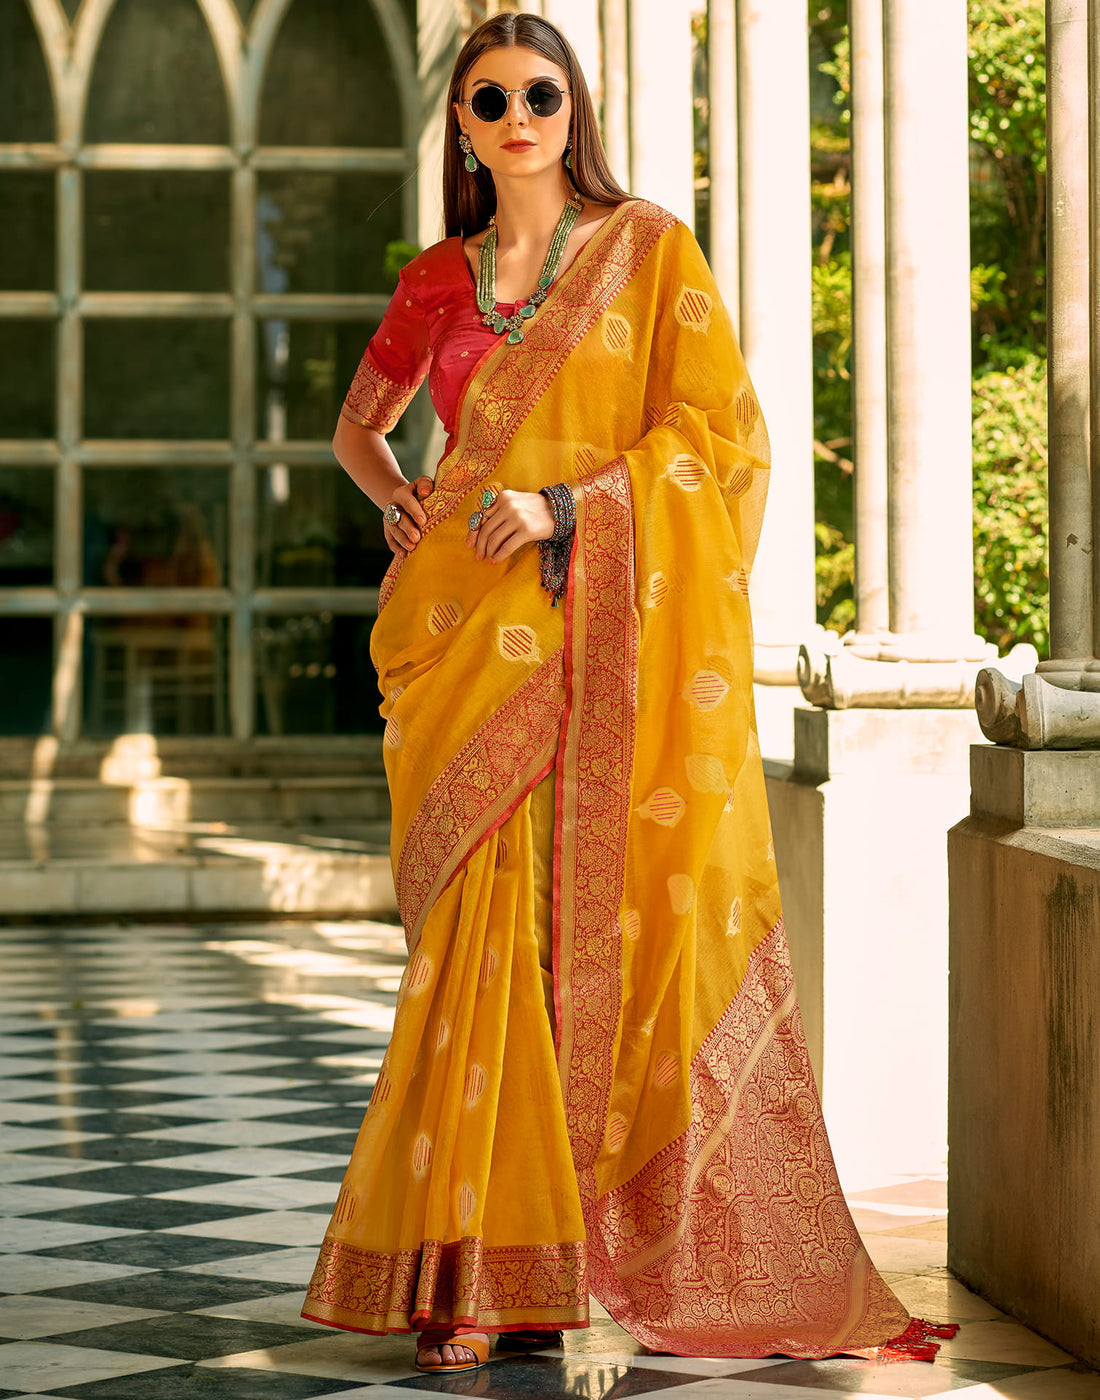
(444,1285)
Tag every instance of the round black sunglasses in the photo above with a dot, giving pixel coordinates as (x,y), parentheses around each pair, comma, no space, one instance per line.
(490,102)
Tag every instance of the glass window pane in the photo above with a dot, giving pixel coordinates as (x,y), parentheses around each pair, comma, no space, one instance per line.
(156,379)
(156,231)
(27,218)
(314,676)
(330,80)
(27,373)
(157,77)
(26,527)
(26,105)
(304,369)
(155,527)
(26,644)
(326,233)
(317,530)
(155,675)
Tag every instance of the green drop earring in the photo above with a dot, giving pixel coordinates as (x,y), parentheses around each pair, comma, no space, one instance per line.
(467,147)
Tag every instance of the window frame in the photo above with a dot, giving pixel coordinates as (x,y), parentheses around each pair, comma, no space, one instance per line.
(243,52)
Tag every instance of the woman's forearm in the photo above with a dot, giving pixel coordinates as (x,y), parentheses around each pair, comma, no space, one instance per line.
(366,457)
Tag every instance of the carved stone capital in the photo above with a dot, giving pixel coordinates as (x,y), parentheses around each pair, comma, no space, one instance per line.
(842,680)
(1035,714)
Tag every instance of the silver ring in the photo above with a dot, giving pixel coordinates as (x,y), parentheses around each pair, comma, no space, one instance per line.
(474,520)
(392,514)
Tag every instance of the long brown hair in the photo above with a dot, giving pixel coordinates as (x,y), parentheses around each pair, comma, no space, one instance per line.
(470,200)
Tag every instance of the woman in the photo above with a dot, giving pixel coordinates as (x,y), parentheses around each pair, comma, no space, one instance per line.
(598,1077)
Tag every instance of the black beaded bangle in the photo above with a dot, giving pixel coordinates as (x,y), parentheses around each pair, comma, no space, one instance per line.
(554,553)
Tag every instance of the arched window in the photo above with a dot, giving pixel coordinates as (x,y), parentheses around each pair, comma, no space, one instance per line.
(183,298)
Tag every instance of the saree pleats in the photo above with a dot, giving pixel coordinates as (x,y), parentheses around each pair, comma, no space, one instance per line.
(657,1129)
(462,1227)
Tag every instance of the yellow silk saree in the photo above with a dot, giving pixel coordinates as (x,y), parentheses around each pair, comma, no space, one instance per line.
(598,1079)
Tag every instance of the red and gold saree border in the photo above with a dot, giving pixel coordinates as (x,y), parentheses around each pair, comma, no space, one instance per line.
(463,1284)
(692,1272)
(376,401)
(595,761)
(478,790)
(512,378)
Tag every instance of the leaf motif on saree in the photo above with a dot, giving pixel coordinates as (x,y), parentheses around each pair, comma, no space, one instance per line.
(474,1085)
(681,893)
(422,1156)
(687,472)
(706,690)
(738,580)
(694,308)
(706,773)
(616,1132)
(443,616)
(618,335)
(630,921)
(667,1070)
(664,805)
(517,642)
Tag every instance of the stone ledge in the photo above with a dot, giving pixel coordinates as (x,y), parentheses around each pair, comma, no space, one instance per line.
(1049,788)
(932,742)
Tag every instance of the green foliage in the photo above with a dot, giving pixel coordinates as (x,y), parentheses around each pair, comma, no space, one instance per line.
(1008,188)
(398,255)
(1010,503)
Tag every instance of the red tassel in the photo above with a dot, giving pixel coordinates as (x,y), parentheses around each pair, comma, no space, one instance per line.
(915,1342)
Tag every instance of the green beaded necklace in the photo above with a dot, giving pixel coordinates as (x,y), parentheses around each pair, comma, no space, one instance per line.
(487,275)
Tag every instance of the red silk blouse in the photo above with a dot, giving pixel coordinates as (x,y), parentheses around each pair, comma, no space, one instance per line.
(431,327)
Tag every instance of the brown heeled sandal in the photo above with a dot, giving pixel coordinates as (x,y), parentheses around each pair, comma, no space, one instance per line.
(476,1342)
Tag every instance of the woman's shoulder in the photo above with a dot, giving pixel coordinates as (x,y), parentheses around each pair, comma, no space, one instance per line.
(436,266)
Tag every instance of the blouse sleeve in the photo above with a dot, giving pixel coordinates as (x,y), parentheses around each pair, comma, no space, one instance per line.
(393,365)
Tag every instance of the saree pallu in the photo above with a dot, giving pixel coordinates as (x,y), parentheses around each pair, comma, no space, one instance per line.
(657,1140)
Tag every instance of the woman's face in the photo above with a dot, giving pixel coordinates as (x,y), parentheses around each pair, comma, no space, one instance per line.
(519,143)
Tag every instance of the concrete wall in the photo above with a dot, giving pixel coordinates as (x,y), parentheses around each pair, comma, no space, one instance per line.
(859,824)
(1024,1119)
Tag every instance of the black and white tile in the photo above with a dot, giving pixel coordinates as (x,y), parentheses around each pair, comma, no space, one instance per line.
(177,1104)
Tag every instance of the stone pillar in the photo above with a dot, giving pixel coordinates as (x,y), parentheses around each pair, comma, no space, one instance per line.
(616,88)
(1037,714)
(1025,865)
(725,240)
(579,21)
(869,399)
(662,112)
(773,106)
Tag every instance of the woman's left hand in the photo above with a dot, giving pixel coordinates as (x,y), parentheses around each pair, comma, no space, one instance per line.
(515,518)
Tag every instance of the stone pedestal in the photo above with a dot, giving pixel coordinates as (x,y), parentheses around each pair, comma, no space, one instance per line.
(1025,1041)
(859,822)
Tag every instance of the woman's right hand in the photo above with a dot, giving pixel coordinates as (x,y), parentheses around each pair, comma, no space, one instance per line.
(403,537)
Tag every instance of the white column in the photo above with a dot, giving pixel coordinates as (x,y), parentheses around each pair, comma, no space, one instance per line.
(776,313)
(661,105)
(869,411)
(579,21)
(438,39)
(928,330)
(725,259)
(616,88)
(1071,520)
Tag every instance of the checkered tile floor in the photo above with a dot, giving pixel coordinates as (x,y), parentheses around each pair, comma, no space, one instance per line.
(177,1105)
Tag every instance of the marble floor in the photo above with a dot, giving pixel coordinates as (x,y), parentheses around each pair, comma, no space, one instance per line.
(177,1104)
